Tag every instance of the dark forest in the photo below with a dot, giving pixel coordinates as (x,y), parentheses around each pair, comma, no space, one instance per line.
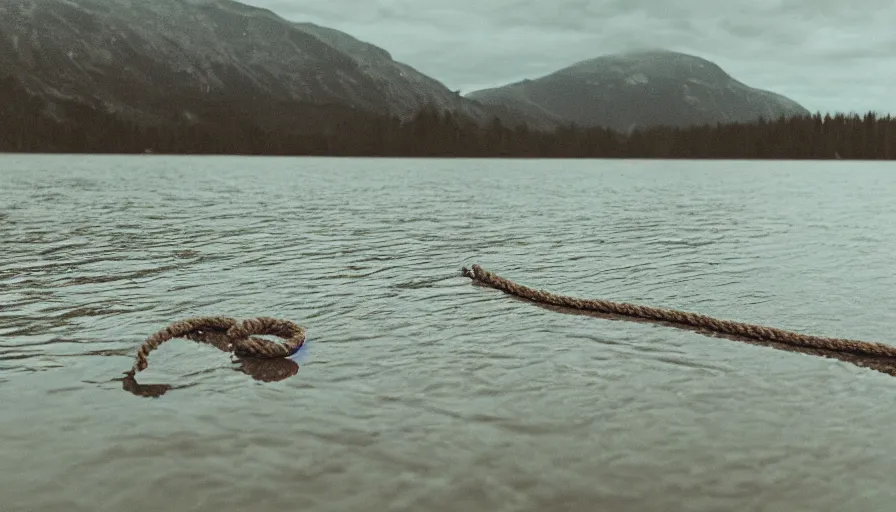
(234,127)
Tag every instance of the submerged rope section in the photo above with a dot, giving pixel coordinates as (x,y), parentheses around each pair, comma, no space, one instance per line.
(237,336)
(751,331)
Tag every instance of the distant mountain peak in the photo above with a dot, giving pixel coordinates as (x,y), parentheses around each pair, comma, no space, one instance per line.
(653,62)
(640,88)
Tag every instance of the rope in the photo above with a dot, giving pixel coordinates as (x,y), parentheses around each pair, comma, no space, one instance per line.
(237,337)
(750,331)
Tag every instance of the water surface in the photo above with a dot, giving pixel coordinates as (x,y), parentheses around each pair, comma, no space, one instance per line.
(417,390)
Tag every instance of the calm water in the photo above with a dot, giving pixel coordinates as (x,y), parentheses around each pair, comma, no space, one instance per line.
(418,391)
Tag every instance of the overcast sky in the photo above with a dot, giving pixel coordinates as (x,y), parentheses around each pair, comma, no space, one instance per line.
(828,55)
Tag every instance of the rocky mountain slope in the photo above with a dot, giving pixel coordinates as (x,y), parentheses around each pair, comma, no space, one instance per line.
(640,89)
(164,60)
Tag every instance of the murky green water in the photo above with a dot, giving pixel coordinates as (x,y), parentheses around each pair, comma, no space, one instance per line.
(418,391)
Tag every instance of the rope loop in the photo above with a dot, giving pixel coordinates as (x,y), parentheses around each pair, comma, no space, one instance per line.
(231,334)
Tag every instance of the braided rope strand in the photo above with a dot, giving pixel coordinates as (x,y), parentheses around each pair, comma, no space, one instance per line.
(238,335)
(750,331)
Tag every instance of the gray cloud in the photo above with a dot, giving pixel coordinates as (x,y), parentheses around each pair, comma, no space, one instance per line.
(829,55)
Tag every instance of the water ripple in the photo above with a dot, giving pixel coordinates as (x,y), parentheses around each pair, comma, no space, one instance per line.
(417,390)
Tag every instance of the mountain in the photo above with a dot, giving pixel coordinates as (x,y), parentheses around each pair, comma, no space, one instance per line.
(640,89)
(173,60)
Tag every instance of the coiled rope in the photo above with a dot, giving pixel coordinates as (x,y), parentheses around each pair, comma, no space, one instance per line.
(750,331)
(237,337)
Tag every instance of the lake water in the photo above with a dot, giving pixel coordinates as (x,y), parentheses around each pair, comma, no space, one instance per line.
(418,390)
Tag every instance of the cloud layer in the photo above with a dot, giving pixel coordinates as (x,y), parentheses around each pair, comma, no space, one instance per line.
(827,55)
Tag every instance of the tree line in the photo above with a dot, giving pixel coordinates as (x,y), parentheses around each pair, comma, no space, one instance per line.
(227,126)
